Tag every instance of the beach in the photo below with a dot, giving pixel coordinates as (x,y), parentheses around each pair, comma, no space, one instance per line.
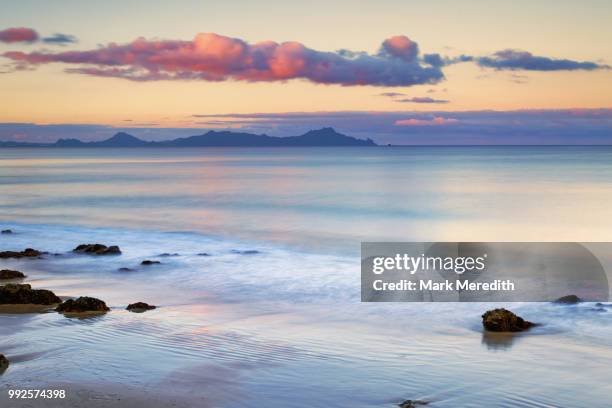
(258,285)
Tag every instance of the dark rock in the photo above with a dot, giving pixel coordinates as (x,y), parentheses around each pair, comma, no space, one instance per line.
(26,253)
(203,254)
(4,363)
(139,307)
(502,320)
(245,252)
(10,274)
(6,231)
(412,403)
(97,249)
(82,304)
(125,269)
(166,254)
(21,294)
(148,262)
(568,300)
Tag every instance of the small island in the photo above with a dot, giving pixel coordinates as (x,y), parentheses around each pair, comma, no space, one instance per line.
(314,138)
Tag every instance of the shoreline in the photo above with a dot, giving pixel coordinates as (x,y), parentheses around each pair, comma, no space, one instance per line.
(206,344)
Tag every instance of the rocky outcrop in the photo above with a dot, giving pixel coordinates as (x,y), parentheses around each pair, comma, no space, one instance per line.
(412,403)
(6,231)
(568,300)
(97,249)
(21,294)
(139,307)
(82,305)
(4,363)
(10,274)
(502,320)
(148,262)
(26,253)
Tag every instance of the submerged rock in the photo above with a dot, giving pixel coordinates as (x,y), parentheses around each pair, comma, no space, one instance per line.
(97,249)
(6,231)
(82,305)
(125,269)
(26,253)
(502,320)
(245,252)
(167,254)
(4,363)
(203,254)
(21,294)
(148,262)
(412,403)
(568,300)
(10,274)
(139,307)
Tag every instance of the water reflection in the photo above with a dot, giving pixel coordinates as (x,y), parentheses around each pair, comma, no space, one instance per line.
(499,341)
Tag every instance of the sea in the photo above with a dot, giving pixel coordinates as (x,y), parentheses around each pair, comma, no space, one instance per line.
(258,286)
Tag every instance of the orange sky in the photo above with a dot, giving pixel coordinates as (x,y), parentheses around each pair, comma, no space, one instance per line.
(47,94)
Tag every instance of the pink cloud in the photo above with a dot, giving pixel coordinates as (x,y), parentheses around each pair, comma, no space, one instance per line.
(18,34)
(435,121)
(213,57)
(402,47)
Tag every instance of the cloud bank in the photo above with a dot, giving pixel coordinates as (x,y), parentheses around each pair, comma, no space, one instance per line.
(523,127)
(213,57)
(529,127)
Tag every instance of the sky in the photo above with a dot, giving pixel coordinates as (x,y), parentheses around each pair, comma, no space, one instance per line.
(402,72)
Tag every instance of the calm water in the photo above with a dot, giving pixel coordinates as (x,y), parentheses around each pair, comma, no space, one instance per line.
(284,327)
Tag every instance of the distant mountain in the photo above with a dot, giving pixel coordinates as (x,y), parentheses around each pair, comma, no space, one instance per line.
(321,137)
(120,139)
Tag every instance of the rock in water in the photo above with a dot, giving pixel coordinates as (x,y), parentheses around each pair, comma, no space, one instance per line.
(10,274)
(16,294)
(245,252)
(26,253)
(82,305)
(4,363)
(7,231)
(568,300)
(139,307)
(412,403)
(147,262)
(502,320)
(97,249)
